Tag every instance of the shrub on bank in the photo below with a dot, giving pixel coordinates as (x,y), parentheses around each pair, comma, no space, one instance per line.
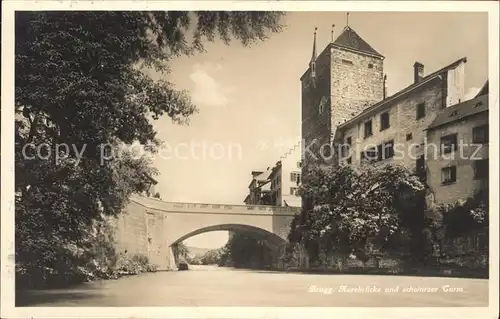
(133,265)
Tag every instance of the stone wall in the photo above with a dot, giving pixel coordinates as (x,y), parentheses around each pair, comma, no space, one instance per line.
(316,126)
(354,85)
(348,82)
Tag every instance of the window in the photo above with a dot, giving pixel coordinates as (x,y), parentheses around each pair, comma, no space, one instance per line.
(389,149)
(370,66)
(348,141)
(349,160)
(368,129)
(293,191)
(385,150)
(448,175)
(346,61)
(420,165)
(322,104)
(481,169)
(369,155)
(295,177)
(448,143)
(384,121)
(409,136)
(420,111)
(346,147)
(480,134)
(299,164)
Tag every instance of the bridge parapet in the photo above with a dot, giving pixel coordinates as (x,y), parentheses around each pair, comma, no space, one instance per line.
(179,207)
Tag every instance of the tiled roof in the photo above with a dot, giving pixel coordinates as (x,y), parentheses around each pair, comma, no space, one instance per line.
(404,91)
(351,40)
(460,111)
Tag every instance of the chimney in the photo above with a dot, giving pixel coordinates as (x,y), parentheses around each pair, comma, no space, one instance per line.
(418,71)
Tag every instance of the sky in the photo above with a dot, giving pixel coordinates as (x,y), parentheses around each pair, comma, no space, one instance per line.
(249,99)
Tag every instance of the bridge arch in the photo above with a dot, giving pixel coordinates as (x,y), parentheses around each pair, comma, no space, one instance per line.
(273,240)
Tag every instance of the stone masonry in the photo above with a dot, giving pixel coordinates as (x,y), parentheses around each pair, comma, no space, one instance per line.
(153,227)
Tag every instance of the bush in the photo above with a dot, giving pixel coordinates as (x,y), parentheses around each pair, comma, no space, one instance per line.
(133,265)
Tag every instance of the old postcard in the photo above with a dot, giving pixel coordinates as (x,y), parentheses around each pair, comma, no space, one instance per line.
(249,159)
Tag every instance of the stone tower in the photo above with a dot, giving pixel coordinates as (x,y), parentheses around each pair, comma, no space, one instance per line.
(343,80)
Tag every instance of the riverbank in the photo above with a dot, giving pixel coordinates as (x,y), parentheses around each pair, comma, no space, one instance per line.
(423,272)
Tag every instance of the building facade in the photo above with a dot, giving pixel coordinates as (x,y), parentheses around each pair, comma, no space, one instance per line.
(348,119)
(278,185)
(394,128)
(460,167)
(285,179)
(259,189)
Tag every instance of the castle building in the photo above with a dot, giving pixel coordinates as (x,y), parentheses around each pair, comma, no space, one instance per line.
(348,119)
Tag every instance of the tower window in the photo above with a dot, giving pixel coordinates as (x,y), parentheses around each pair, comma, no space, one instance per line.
(370,66)
(344,61)
(409,136)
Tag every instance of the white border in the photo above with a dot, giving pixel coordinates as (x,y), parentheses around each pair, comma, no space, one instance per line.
(7,165)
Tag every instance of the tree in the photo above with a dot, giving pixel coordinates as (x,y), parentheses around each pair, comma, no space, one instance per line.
(353,210)
(83,96)
(182,250)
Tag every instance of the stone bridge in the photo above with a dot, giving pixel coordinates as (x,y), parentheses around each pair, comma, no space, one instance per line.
(153,227)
